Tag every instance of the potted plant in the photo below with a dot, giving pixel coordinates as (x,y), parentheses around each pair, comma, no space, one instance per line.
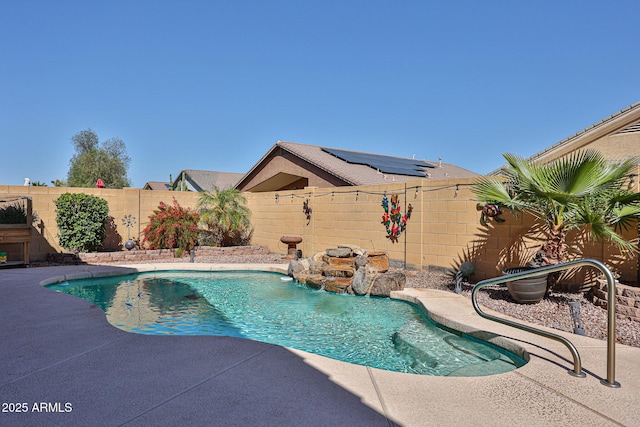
(579,191)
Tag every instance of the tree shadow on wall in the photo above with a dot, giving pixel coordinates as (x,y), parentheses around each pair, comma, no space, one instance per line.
(113,239)
(493,250)
(500,245)
(581,246)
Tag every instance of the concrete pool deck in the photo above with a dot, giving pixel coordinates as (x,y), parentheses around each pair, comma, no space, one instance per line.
(61,358)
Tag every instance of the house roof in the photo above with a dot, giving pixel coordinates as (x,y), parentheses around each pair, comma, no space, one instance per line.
(206,180)
(360,174)
(156,185)
(624,121)
(617,122)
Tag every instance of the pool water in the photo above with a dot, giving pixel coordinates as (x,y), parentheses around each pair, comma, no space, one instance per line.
(377,332)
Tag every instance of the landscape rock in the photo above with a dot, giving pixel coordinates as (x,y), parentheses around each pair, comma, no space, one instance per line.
(379,261)
(315,267)
(362,281)
(361,261)
(318,257)
(336,285)
(355,249)
(384,283)
(342,252)
(296,267)
(347,261)
(332,271)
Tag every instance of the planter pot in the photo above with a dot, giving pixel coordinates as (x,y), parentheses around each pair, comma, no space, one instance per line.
(527,291)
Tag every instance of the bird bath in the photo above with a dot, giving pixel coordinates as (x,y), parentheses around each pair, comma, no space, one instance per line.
(291,242)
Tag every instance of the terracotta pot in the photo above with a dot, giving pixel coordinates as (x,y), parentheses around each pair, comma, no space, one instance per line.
(526,291)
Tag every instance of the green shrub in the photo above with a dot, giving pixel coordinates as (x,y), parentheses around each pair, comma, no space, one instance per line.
(226,217)
(81,220)
(13,214)
(172,227)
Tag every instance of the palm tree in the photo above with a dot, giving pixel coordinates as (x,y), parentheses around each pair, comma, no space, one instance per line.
(225,214)
(580,191)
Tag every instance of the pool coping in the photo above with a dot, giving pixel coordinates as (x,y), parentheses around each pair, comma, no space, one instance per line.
(540,392)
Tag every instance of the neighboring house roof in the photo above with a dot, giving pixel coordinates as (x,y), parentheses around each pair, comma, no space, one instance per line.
(156,185)
(624,122)
(289,162)
(199,180)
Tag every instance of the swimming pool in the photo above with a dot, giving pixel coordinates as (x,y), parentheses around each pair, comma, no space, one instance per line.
(377,332)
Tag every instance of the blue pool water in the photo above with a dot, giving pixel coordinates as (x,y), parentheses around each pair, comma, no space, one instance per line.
(377,332)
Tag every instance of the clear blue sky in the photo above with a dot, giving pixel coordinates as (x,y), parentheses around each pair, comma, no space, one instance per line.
(214,84)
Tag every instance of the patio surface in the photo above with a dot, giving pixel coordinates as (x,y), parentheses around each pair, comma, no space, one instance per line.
(60,350)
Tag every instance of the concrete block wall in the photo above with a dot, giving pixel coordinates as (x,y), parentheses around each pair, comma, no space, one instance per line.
(127,201)
(444,229)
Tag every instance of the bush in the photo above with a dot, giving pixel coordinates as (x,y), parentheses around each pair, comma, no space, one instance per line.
(81,220)
(226,217)
(172,227)
(13,214)
(215,236)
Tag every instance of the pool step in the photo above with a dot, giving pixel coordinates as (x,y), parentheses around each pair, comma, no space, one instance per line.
(407,341)
(425,346)
(492,367)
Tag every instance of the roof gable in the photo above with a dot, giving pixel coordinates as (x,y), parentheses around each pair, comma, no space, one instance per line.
(156,185)
(360,170)
(202,180)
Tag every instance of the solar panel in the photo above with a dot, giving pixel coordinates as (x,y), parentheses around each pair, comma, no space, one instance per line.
(384,164)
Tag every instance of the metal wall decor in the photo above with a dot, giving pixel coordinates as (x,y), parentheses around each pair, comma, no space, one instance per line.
(393,220)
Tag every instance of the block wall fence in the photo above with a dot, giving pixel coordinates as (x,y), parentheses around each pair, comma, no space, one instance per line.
(444,229)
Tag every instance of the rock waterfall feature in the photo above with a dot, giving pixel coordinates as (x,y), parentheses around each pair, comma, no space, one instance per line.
(348,269)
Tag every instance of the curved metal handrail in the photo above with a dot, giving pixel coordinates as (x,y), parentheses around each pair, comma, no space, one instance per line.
(611,310)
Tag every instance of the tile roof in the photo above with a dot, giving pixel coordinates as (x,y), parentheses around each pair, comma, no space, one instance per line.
(205,180)
(356,174)
(156,185)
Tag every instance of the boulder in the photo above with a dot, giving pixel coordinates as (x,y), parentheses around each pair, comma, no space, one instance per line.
(360,261)
(319,256)
(296,267)
(315,281)
(355,249)
(340,262)
(336,284)
(379,261)
(384,283)
(362,280)
(342,252)
(315,267)
(337,271)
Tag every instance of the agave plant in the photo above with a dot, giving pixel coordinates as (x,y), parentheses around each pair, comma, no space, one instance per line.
(580,191)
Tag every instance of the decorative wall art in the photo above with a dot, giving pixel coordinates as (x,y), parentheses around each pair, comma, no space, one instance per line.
(489,211)
(307,210)
(392,219)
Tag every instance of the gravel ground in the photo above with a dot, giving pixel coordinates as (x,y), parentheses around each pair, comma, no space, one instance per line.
(552,312)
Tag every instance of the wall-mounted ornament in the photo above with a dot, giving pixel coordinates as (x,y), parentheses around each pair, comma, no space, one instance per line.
(393,220)
(307,210)
(489,211)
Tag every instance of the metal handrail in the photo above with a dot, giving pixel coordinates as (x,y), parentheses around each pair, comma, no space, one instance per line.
(611,313)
